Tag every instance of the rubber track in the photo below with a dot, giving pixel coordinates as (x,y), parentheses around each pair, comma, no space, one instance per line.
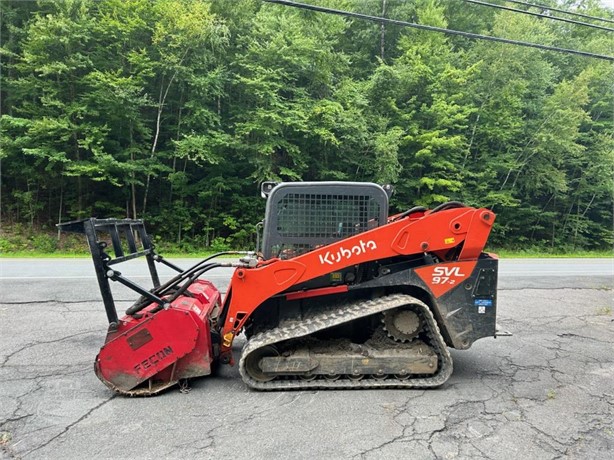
(348,312)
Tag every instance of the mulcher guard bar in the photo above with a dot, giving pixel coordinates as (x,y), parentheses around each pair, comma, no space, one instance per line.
(125,247)
(166,335)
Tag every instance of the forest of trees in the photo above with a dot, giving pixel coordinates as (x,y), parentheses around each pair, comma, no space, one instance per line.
(175,110)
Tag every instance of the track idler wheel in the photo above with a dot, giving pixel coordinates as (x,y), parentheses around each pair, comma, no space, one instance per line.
(402,324)
(252,363)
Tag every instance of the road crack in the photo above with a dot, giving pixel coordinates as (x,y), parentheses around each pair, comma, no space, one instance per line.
(45,342)
(70,426)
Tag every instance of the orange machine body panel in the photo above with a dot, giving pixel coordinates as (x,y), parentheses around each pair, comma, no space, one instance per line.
(437,233)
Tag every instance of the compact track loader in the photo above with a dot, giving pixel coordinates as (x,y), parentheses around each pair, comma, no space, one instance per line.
(340,296)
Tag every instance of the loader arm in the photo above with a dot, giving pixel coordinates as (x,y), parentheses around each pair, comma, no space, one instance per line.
(457,234)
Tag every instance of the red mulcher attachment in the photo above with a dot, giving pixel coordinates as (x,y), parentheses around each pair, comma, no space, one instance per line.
(166,336)
(150,353)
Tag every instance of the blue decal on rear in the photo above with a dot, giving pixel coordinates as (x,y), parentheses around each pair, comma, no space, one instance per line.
(482,302)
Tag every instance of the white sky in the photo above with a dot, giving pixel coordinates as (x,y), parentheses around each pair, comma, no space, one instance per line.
(609,3)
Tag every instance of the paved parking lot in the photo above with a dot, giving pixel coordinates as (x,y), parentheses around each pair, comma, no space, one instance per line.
(545,393)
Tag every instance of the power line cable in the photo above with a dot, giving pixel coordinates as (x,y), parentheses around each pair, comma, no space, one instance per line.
(540,15)
(558,10)
(397,22)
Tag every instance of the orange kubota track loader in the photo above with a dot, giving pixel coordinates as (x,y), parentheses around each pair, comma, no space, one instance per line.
(340,296)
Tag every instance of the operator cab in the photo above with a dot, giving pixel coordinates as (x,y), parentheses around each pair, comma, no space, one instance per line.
(303,216)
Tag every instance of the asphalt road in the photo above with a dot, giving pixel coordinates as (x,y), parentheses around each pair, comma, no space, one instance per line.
(544,393)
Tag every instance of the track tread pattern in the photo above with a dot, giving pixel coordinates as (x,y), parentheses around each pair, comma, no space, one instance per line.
(326,318)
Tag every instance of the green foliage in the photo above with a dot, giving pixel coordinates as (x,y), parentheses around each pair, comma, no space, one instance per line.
(25,240)
(175,110)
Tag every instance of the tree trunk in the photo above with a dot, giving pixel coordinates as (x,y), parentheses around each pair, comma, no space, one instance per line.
(382,33)
(60,208)
(132,174)
(154,145)
(161,102)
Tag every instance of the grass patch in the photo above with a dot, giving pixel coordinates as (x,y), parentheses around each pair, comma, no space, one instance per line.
(33,254)
(43,255)
(557,254)
(23,242)
(5,438)
(20,241)
(174,252)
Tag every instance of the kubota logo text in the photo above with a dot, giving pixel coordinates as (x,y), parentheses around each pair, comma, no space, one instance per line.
(332,258)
